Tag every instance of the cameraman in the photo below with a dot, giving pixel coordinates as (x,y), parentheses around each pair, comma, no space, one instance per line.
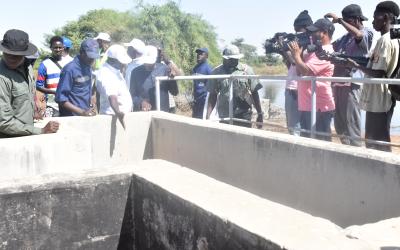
(310,65)
(376,99)
(357,42)
(291,104)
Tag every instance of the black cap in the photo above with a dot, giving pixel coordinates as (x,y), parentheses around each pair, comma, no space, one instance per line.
(16,42)
(388,7)
(322,24)
(303,19)
(353,10)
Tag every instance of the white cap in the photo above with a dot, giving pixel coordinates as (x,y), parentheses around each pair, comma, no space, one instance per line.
(137,44)
(103,36)
(150,54)
(118,52)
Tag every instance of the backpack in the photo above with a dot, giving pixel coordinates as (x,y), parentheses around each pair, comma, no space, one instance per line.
(395,89)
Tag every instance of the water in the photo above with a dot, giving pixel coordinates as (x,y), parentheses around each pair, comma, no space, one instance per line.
(275,91)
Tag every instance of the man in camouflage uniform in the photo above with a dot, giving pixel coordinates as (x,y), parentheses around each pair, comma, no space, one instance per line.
(245,91)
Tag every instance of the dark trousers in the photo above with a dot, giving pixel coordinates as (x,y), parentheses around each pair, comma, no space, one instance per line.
(377,127)
(198,108)
(347,118)
(323,124)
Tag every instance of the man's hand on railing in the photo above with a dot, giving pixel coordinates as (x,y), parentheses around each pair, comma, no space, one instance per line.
(146,106)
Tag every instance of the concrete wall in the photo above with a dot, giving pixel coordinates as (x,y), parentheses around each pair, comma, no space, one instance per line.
(81,143)
(344,184)
(64,211)
(167,207)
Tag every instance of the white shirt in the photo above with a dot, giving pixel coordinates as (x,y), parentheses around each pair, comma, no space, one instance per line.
(65,60)
(111,82)
(131,66)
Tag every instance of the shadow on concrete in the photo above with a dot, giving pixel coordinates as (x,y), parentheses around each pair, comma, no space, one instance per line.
(127,234)
(390,248)
(148,150)
(113,134)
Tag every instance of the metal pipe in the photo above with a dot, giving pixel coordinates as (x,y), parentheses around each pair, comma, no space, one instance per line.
(157,83)
(313,107)
(231,101)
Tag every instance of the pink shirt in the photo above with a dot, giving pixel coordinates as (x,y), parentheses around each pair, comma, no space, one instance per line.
(322,68)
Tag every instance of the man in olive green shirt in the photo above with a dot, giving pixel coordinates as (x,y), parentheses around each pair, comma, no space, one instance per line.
(245,91)
(17,88)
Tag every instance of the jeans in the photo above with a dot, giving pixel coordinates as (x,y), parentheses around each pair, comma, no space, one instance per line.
(323,124)
(292,112)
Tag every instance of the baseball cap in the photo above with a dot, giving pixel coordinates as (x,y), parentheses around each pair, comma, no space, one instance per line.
(137,44)
(103,36)
(202,50)
(67,42)
(150,55)
(353,10)
(231,52)
(91,48)
(322,24)
(118,52)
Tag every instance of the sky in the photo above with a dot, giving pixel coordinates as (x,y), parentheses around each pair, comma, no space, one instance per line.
(253,20)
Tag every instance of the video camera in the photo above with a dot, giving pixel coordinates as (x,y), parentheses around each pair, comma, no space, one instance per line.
(395,29)
(280,42)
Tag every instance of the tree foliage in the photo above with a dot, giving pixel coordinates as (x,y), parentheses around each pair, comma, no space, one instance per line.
(180,33)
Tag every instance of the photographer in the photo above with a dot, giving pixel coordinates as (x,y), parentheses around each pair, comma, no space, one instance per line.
(310,65)
(291,104)
(357,42)
(376,99)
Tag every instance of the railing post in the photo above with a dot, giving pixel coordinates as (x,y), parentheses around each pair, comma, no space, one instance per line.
(230,101)
(313,106)
(205,109)
(158,94)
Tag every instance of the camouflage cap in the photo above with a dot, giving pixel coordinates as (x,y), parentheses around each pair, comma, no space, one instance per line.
(231,52)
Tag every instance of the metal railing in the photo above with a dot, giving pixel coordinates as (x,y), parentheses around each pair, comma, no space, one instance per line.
(312,79)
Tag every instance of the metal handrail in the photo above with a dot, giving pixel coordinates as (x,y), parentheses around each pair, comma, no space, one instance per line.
(312,79)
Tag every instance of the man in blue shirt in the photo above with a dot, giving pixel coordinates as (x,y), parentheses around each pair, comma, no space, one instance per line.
(74,90)
(200,86)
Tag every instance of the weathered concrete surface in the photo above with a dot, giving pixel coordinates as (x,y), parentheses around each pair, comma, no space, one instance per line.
(177,208)
(75,211)
(344,184)
(33,155)
(383,235)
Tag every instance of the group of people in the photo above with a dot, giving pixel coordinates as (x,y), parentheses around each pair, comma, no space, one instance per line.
(115,79)
(107,78)
(340,101)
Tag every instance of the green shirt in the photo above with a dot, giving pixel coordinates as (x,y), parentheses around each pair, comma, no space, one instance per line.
(242,89)
(16,102)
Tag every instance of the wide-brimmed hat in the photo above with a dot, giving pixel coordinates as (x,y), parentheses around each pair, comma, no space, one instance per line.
(353,10)
(16,42)
(231,52)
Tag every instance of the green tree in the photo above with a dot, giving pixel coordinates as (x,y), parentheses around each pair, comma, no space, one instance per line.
(180,33)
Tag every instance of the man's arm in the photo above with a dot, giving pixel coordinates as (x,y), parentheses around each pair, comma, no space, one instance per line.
(257,105)
(301,67)
(9,124)
(173,87)
(356,33)
(113,99)
(374,73)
